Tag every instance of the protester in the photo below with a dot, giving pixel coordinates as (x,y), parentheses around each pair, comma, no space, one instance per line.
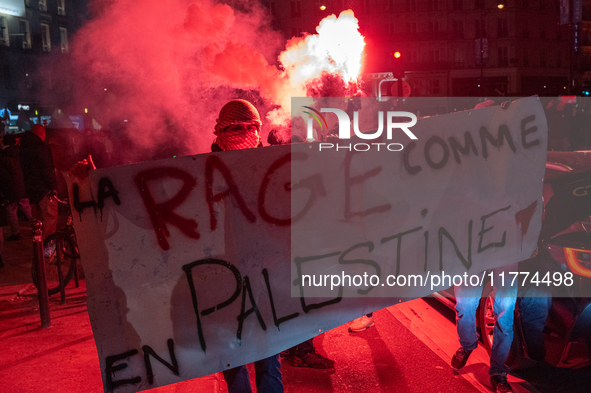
(93,144)
(239,127)
(15,190)
(558,126)
(39,174)
(23,122)
(467,301)
(304,354)
(4,182)
(3,223)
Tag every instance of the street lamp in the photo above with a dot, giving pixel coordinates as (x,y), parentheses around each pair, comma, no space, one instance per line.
(398,68)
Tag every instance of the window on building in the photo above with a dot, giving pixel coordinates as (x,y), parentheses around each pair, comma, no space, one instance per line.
(433,86)
(525,57)
(458,5)
(390,28)
(433,27)
(458,29)
(4,35)
(411,27)
(542,59)
(367,6)
(459,59)
(64,40)
(412,56)
(543,33)
(542,5)
(270,5)
(480,28)
(296,9)
(434,55)
(503,56)
(25,33)
(559,60)
(45,38)
(42,5)
(479,4)
(411,5)
(390,7)
(502,27)
(61,7)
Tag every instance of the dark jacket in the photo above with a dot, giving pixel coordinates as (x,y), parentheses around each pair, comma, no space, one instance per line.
(215,147)
(12,175)
(4,177)
(37,165)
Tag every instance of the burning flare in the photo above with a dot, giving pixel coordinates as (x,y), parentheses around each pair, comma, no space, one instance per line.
(332,55)
(336,49)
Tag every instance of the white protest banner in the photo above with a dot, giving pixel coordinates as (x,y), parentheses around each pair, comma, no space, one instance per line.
(191,263)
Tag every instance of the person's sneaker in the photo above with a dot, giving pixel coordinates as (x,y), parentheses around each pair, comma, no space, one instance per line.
(312,360)
(286,354)
(360,324)
(13,238)
(460,358)
(499,383)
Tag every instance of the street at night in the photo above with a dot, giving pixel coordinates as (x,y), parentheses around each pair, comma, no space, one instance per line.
(407,350)
(295,196)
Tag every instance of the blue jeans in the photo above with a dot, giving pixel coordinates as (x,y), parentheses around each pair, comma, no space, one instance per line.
(534,307)
(268,377)
(467,299)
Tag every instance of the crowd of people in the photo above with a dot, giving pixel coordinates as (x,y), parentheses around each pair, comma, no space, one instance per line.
(569,125)
(28,182)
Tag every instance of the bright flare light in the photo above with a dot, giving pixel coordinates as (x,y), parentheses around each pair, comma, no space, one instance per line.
(336,49)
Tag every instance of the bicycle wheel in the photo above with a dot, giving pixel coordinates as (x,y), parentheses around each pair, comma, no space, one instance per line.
(71,252)
(57,247)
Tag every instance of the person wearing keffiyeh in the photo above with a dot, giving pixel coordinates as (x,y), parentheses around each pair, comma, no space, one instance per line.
(237,127)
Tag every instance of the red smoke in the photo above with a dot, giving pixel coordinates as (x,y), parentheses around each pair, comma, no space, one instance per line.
(167,67)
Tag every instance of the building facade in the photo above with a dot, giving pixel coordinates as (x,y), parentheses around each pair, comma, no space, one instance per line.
(462,47)
(34,49)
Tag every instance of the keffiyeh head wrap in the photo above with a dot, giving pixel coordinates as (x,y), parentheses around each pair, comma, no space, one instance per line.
(237,112)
